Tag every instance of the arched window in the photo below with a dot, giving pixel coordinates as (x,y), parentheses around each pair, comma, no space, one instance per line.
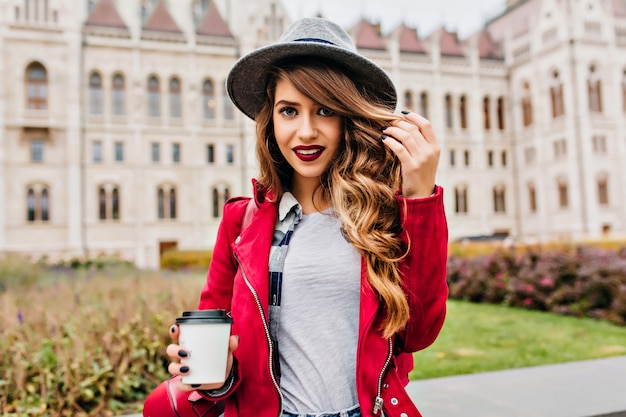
(603,190)
(227,104)
(460,199)
(499,199)
(501,113)
(424,104)
(175,98)
(448,111)
(118,101)
(532,198)
(115,204)
(503,158)
(563,193)
(556,95)
(408,100)
(486,115)
(36,87)
(527,106)
(594,90)
(208,100)
(463,111)
(154,97)
(216,203)
(166,202)
(219,195)
(102,204)
(95,93)
(108,202)
(37,203)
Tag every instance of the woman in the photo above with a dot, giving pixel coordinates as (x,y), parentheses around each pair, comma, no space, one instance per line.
(339,276)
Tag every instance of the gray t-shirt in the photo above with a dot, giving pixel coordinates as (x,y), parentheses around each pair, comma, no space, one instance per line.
(319,318)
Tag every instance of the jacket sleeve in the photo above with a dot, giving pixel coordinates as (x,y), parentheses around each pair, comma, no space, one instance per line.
(218,289)
(424,269)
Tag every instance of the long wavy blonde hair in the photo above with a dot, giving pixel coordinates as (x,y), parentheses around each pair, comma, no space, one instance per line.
(361,180)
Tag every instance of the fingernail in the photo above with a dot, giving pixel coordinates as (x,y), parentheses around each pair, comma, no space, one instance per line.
(182,353)
(384,128)
(195,385)
(173,329)
(184,369)
(405,112)
(383,137)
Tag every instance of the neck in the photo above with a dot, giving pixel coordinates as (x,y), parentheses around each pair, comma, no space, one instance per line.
(309,194)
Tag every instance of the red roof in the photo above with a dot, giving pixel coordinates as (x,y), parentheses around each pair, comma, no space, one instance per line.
(161,20)
(487,48)
(619,8)
(367,36)
(105,14)
(213,24)
(409,41)
(449,44)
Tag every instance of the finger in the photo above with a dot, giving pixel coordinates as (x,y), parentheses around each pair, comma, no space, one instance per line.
(176,351)
(174,331)
(233,343)
(175,368)
(424,125)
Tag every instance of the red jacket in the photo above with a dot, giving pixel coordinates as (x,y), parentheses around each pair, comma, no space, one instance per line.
(237,281)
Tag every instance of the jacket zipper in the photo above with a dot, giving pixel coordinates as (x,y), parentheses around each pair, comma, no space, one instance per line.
(267,333)
(378,402)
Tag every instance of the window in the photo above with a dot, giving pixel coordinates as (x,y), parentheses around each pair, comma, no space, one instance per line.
(624,91)
(499,202)
(501,113)
(532,198)
(503,158)
(156,152)
(530,155)
(36,87)
(460,199)
(229,109)
(154,97)
(108,202)
(452,157)
(219,196)
(466,158)
(527,107)
(463,112)
(408,100)
(208,100)
(210,153)
(230,154)
(119,152)
(424,103)
(490,158)
(486,118)
(166,202)
(176,153)
(556,96)
(36,150)
(118,101)
(95,93)
(96,151)
(594,90)
(560,148)
(175,99)
(599,144)
(563,193)
(37,203)
(448,112)
(603,191)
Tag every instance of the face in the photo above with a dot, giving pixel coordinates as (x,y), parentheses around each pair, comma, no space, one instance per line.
(307,134)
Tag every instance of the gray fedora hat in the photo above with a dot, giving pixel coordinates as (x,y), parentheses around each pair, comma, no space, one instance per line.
(313,37)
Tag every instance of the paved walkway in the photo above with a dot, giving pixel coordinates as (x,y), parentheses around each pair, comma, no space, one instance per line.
(594,388)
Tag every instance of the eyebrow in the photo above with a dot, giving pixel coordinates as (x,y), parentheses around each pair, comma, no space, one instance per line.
(285,103)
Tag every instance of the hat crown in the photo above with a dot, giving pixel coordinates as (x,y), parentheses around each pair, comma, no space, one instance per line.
(315,29)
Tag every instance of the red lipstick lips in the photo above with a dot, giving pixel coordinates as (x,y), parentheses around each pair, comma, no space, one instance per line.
(308,153)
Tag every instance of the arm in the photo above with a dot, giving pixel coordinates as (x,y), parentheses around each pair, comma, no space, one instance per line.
(424,269)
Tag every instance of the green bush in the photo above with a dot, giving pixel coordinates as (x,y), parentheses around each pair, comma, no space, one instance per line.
(176,260)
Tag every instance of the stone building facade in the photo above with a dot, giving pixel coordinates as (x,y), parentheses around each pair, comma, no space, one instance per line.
(117,136)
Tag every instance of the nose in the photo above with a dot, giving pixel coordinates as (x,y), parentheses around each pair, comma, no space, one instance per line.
(307,129)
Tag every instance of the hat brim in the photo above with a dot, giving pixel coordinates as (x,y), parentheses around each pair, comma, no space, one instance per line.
(245,83)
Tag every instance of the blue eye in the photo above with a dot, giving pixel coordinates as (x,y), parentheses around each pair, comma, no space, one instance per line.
(326,112)
(288,111)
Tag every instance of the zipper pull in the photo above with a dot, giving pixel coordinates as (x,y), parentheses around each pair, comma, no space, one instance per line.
(378,405)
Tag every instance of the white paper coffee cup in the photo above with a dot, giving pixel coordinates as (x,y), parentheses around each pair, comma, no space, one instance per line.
(204,335)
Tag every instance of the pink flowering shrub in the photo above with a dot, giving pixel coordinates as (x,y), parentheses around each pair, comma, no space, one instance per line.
(582,281)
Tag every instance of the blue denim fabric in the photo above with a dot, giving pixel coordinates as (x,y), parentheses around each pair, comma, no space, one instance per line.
(352,412)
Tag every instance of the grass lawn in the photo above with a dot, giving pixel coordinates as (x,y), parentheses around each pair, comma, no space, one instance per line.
(481,337)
